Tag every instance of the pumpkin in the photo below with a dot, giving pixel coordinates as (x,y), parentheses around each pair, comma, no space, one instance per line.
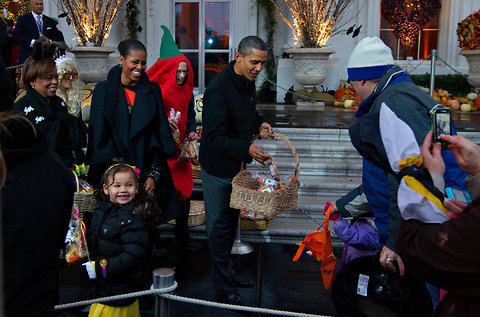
(466,107)
(477,102)
(340,93)
(455,104)
(472,96)
(348,103)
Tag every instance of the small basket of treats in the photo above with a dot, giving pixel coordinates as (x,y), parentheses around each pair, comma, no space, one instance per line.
(266,196)
(196,215)
(252,221)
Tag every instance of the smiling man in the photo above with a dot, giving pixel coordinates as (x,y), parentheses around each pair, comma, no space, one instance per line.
(229,122)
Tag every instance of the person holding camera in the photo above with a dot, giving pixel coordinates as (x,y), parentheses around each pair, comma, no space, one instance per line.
(451,262)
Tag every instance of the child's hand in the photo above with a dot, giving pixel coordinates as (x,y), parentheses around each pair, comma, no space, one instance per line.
(90,267)
(334,214)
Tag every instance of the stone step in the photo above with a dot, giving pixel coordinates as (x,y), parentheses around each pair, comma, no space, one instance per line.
(316,166)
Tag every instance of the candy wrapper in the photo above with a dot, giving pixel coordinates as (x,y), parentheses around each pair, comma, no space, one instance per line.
(189,150)
(273,169)
(267,185)
(175,115)
(251,215)
(75,239)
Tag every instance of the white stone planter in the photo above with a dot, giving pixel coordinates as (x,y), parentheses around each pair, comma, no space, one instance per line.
(311,65)
(473,59)
(92,62)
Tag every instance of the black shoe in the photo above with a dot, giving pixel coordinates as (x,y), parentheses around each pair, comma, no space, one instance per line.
(242,283)
(233,299)
(190,245)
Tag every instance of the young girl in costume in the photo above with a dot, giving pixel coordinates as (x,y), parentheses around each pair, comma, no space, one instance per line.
(119,240)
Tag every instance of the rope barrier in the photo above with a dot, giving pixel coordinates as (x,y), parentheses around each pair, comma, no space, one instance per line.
(153,291)
(163,293)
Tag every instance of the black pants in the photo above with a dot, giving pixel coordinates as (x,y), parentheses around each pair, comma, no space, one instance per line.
(182,234)
(221,228)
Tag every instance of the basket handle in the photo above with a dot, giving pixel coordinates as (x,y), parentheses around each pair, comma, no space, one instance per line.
(290,146)
(76,181)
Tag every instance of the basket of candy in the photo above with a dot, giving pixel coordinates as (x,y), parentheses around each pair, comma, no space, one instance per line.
(196,216)
(196,169)
(252,221)
(266,197)
(83,199)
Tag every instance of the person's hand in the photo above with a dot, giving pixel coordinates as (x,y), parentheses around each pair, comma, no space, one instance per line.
(193,136)
(173,125)
(90,267)
(257,153)
(265,131)
(334,215)
(466,153)
(432,160)
(387,257)
(150,185)
(454,206)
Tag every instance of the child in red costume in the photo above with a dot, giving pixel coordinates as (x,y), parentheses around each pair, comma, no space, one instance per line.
(173,72)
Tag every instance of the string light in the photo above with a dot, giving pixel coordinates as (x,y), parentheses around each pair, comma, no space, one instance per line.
(24,7)
(92,19)
(315,21)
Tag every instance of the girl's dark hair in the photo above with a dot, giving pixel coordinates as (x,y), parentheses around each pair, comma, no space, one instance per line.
(144,203)
(128,45)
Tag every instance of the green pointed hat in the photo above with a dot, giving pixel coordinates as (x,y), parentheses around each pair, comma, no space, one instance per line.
(168,48)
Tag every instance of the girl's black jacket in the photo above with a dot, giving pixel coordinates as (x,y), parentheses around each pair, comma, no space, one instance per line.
(119,236)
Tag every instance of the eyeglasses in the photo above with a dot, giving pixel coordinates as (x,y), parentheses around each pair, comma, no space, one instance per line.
(182,71)
(66,74)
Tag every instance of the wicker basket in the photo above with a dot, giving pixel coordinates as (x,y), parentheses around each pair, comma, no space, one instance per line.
(254,224)
(196,216)
(85,201)
(245,195)
(196,171)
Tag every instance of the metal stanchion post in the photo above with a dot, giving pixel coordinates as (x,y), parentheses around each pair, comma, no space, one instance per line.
(239,247)
(432,72)
(162,278)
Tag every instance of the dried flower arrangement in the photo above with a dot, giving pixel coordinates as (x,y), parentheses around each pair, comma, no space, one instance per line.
(92,19)
(315,21)
(468,32)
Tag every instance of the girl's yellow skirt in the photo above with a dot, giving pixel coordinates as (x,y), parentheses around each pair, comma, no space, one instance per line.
(100,310)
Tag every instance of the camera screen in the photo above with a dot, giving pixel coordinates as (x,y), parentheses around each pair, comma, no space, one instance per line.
(443,123)
(459,195)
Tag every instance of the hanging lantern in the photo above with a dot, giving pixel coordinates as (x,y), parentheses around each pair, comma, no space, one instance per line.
(407,18)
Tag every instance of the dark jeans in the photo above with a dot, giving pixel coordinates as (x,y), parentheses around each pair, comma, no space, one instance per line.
(221,228)
(182,235)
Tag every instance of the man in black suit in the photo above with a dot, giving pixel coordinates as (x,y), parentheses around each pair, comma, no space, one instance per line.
(230,120)
(34,26)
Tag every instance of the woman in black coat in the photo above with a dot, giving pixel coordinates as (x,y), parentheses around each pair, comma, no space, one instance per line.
(65,133)
(127,121)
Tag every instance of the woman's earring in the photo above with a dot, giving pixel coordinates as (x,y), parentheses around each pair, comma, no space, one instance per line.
(33,86)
